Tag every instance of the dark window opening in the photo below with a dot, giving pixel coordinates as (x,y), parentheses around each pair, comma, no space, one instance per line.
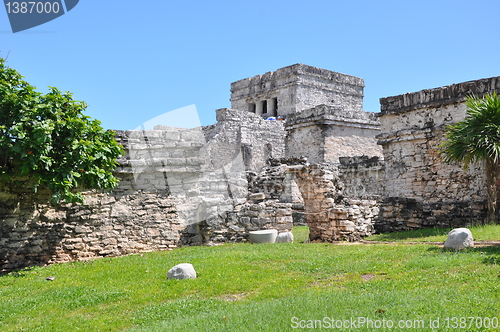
(264,106)
(275,107)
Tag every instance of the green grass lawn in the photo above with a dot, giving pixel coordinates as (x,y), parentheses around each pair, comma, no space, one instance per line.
(479,233)
(267,287)
(301,234)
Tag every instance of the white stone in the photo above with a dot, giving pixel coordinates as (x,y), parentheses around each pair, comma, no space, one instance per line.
(263,236)
(182,271)
(284,237)
(459,238)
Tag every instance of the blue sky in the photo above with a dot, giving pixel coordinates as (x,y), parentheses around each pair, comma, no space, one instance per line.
(132,61)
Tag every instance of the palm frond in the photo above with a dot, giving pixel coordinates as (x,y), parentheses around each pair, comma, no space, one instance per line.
(477,137)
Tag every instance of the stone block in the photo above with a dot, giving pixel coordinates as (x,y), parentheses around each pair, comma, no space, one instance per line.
(244,220)
(121,210)
(284,237)
(110,242)
(152,232)
(257,197)
(82,229)
(236,228)
(459,238)
(182,271)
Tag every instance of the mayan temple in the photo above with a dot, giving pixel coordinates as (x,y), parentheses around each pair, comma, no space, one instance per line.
(295,147)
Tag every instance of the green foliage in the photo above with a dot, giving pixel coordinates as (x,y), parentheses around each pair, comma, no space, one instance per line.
(477,137)
(46,140)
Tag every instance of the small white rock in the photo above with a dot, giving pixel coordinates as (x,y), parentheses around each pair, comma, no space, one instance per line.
(182,271)
(284,237)
(459,238)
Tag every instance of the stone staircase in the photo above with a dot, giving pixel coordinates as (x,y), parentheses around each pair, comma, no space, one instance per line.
(174,160)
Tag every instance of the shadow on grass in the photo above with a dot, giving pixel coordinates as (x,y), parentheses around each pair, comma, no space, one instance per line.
(490,253)
(18,273)
(408,235)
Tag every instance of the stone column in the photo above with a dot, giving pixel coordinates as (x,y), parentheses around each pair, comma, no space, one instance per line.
(258,108)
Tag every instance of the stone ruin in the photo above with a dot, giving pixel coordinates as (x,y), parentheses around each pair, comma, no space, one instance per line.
(296,148)
(296,88)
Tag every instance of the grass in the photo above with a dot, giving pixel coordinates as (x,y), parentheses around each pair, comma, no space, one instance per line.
(300,234)
(479,233)
(244,287)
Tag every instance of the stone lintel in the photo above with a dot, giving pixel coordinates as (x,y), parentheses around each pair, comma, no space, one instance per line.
(451,94)
(227,114)
(298,70)
(333,123)
(408,134)
(375,162)
(328,115)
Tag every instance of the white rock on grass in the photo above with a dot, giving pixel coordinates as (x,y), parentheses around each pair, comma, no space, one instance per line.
(284,237)
(182,271)
(459,238)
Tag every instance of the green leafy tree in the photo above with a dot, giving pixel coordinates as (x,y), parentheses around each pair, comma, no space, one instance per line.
(46,140)
(477,139)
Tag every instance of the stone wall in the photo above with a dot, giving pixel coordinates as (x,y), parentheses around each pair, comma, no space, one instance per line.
(175,189)
(296,88)
(324,134)
(124,221)
(141,214)
(422,191)
(331,214)
(239,134)
(363,177)
(268,204)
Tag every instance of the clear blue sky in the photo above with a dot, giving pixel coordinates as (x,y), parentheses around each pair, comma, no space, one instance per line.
(134,60)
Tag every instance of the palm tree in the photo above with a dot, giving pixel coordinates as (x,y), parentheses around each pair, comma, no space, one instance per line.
(477,138)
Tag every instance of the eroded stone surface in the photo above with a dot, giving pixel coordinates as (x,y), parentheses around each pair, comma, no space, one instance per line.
(325,134)
(182,271)
(285,237)
(459,238)
(296,88)
(421,190)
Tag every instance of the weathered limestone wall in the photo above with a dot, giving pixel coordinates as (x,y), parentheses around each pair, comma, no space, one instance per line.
(175,189)
(306,141)
(239,134)
(141,214)
(124,221)
(296,88)
(363,177)
(331,214)
(268,204)
(324,134)
(421,190)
